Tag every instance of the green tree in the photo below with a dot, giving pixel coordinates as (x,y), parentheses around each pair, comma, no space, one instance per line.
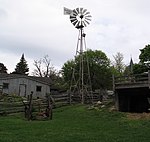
(22,67)
(145,55)
(139,68)
(144,64)
(99,66)
(67,71)
(3,68)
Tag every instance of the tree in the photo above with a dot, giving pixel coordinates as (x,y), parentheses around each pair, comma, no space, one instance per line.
(145,56)
(67,71)
(44,68)
(3,69)
(139,68)
(22,67)
(99,66)
(144,64)
(118,63)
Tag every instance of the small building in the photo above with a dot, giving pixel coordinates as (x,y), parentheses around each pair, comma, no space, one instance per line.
(23,85)
(132,93)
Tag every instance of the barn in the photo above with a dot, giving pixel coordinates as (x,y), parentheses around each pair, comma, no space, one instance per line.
(23,85)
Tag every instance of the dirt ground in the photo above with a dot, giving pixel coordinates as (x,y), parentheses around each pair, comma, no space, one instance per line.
(138,116)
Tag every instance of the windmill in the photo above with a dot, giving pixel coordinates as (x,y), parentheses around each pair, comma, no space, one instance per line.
(81,81)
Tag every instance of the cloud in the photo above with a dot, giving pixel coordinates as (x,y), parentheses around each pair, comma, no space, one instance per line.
(38,28)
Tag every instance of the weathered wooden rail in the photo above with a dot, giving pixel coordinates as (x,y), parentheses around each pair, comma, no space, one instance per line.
(132,81)
(40,104)
(15,107)
(132,93)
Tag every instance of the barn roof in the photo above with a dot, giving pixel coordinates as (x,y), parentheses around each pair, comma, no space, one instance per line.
(44,80)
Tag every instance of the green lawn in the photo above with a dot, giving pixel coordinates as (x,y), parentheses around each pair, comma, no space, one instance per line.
(75,124)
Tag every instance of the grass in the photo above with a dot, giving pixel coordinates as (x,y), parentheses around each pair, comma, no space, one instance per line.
(76,124)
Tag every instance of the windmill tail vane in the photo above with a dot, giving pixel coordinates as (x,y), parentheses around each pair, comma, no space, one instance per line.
(67,11)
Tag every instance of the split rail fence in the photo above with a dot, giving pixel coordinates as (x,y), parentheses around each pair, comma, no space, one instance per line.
(11,106)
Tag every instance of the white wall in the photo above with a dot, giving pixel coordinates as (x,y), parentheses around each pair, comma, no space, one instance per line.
(30,86)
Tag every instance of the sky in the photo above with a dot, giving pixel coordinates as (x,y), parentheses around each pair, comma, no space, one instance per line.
(39,27)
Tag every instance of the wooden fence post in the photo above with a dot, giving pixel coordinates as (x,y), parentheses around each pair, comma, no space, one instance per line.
(49,112)
(69,96)
(113,81)
(30,107)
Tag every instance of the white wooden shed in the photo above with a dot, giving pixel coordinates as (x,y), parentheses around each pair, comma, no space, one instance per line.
(23,85)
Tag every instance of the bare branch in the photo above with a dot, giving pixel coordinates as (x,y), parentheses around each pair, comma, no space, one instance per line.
(44,68)
(37,71)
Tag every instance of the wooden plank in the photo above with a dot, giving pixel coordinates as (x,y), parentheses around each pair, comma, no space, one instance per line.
(59,96)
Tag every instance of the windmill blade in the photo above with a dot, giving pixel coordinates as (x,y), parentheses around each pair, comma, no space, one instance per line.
(87,13)
(87,19)
(83,23)
(81,10)
(78,25)
(75,22)
(75,13)
(72,20)
(84,11)
(73,17)
(88,16)
(77,9)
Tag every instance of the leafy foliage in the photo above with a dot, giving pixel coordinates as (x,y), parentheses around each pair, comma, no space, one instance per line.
(67,70)
(144,64)
(145,55)
(99,66)
(139,68)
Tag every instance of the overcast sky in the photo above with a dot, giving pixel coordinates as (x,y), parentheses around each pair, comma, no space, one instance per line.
(38,28)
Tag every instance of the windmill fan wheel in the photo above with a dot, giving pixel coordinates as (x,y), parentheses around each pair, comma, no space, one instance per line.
(80,17)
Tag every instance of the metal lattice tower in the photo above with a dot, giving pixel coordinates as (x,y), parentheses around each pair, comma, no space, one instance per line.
(80,82)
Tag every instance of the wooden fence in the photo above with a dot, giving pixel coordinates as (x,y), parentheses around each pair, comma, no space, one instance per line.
(10,106)
(132,78)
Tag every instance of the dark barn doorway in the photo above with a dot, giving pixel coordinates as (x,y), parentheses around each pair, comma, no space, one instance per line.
(133,99)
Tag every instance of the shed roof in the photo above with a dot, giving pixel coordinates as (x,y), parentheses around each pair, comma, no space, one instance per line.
(43,80)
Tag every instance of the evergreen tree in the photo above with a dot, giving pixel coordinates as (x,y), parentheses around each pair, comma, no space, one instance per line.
(22,67)
(3,68)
